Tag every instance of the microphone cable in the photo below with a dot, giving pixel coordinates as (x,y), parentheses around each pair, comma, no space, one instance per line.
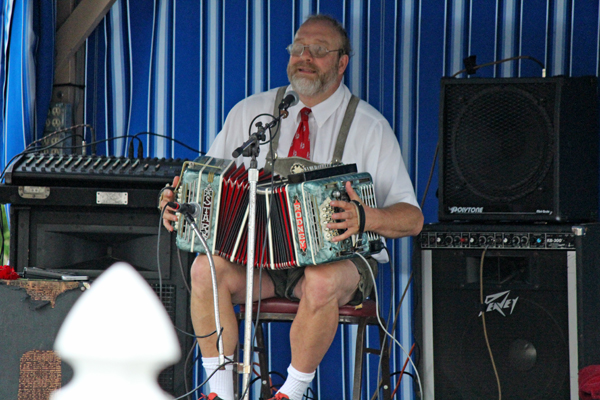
(485,333)
(136,136)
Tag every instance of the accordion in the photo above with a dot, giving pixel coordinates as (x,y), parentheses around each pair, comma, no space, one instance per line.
(291,214)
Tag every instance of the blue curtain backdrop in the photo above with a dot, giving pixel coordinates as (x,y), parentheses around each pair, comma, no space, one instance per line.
(175,68)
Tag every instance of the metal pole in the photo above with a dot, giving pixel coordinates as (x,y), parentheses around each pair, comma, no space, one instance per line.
(252,179)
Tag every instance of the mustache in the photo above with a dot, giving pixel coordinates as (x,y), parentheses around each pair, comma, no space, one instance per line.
(304,64)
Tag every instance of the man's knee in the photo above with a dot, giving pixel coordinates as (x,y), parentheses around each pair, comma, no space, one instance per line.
(325,284)
(200,269)
(201,274)
(318,280)
(229,276)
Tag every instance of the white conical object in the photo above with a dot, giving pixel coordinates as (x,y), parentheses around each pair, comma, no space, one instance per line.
(117,337)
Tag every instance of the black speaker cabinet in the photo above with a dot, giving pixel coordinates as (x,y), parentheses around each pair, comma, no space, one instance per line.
(541,302)
(85,230)
(519,149)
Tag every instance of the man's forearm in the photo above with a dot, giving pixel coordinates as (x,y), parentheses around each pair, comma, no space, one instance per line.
(395,221)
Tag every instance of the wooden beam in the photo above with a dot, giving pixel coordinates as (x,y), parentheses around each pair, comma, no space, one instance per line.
(76,29)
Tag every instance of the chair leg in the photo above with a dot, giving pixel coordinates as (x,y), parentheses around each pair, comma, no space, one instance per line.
(385,364)
(361,350)
(236,376)
(358,363)
(263,361)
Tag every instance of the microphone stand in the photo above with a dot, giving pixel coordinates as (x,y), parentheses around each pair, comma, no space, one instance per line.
(251,148)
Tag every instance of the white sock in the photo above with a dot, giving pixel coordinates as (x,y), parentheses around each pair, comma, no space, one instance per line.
(296,383)
(221,382)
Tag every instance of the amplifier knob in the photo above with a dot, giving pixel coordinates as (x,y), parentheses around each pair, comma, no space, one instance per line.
(537,241)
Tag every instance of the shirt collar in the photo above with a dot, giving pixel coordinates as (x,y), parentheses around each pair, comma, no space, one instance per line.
(322,111)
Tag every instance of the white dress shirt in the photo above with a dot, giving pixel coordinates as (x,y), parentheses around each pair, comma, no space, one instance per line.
(371,143)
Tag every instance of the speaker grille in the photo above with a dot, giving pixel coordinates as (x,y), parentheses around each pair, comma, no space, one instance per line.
(519,149)
(499,139)
(526,323)
(167,294)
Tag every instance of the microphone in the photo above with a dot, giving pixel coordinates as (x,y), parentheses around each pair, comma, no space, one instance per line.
(290,100)
(240,150)
(193,209)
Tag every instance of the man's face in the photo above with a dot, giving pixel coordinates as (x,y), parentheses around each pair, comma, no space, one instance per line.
(312,76)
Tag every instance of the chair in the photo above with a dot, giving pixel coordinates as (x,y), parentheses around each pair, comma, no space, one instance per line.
(282,310)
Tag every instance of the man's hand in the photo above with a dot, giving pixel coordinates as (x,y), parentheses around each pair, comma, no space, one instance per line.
(394,221)
(168,215)
(349,218)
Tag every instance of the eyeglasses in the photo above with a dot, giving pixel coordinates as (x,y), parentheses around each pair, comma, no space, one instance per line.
(317,51)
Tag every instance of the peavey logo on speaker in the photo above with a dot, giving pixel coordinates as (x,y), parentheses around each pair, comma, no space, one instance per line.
(500,302)
(466,210)
(207,201)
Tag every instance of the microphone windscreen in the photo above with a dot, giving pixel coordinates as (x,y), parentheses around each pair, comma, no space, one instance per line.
(296,98)
(290,99)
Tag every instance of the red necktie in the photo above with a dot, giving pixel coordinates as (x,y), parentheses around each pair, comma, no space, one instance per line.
(301,143)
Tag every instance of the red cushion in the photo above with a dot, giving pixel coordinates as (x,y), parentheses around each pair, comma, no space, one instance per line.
(285,306)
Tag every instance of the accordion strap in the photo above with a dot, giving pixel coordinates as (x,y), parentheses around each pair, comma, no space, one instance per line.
(338,151)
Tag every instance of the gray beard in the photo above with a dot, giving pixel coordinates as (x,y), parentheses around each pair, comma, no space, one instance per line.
(306,87)
(309,87)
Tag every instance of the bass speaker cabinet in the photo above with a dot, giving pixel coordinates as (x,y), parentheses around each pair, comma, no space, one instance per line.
(538,294)
(69,231)
(519,149)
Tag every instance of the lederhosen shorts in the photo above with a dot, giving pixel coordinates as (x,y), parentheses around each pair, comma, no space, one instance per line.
(285,280)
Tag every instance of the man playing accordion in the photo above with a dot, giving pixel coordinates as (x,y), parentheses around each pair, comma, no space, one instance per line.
(319,56)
